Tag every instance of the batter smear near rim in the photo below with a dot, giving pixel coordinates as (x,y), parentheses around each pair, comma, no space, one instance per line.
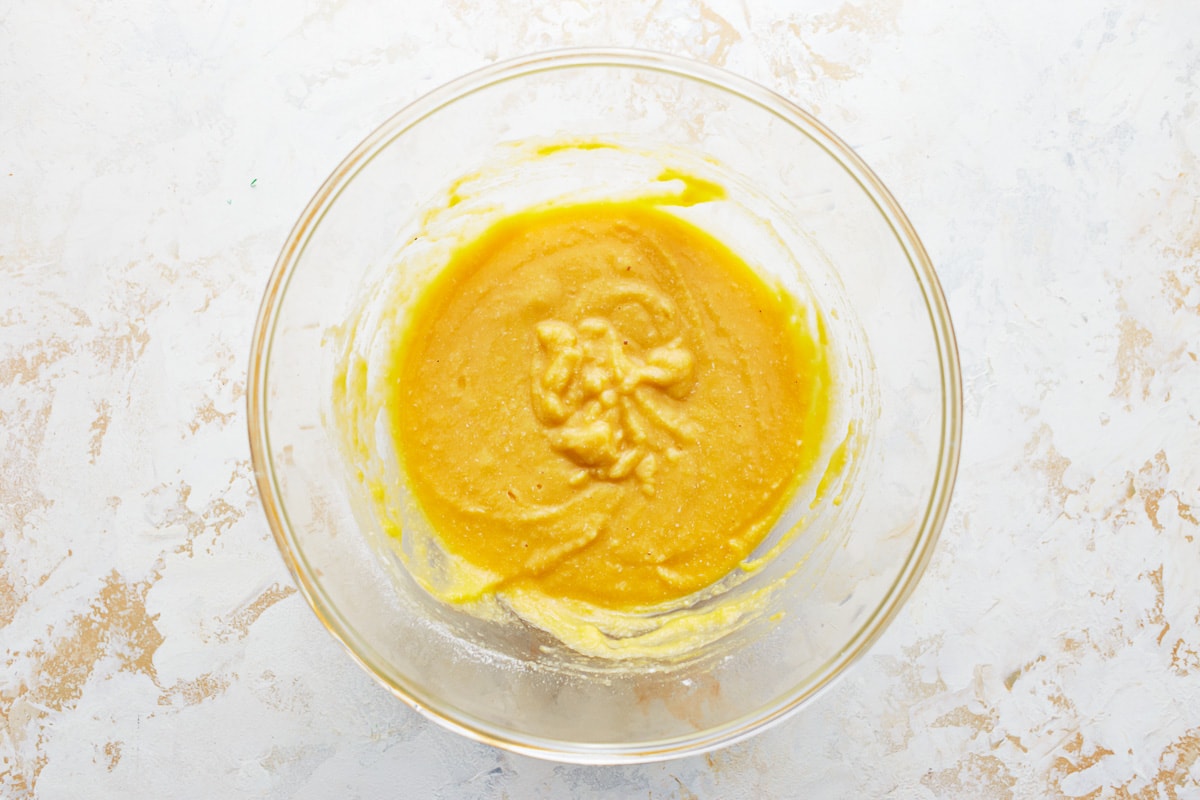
(601,403)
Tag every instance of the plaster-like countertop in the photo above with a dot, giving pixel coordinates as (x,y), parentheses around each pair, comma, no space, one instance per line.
(153,156)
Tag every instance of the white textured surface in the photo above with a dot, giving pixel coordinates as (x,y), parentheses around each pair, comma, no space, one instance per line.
(153,156)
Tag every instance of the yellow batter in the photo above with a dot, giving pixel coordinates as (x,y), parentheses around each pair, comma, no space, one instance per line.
(601,406)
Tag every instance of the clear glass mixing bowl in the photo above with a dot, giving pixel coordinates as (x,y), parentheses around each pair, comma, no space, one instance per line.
(793,185)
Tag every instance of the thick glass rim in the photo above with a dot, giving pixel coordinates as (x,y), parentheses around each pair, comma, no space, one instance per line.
(937,507)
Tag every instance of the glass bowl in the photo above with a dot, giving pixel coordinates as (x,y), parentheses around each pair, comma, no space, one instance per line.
(798,205)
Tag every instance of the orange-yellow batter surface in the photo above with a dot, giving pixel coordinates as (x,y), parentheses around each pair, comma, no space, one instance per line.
(602,404)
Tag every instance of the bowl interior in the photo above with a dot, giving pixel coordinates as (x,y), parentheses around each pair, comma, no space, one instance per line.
(796,195)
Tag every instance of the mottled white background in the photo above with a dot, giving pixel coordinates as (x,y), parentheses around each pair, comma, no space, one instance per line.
(153,155)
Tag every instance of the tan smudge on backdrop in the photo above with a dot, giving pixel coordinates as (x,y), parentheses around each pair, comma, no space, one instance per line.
(1184,283)
(1150,480)
(10,598)
(714,26)
(98,429)
(1175,765)
(1181,285)
(117,626)
(1146,506)
(1051,464)
(737,761)
(20,495)
(21,499)
(716,37)
(238,624)
(112,755)
(1134,363)
(28,366)
(1185,657)
(1155,616)
(985,777)
(831,69)
(1074,757)
(120,345)
(293,696)
(684,792)
(842,36)
(1146,495)
(912,688)
(1016,674)
(1150,483)
(696,29)
(868,18)
(1179,293)
(194,691)
(17,718)
(964,717)
(207,414)
(214,519)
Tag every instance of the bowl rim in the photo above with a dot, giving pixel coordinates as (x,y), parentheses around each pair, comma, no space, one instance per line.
(949,448)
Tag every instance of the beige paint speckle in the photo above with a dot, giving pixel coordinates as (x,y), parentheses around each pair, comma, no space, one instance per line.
(196,690)
(11,598)
(981,776)
(1135,367)
(963,717)
(1185,657)
(1182,288)
(112,755)
(208,414)
(238,624)
(29,365)
(98,429)
(116,625)
(1045,458)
